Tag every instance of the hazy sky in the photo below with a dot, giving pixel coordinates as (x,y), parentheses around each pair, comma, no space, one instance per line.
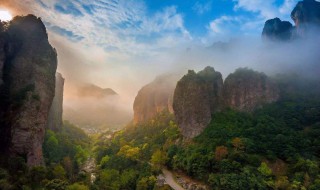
(124,44)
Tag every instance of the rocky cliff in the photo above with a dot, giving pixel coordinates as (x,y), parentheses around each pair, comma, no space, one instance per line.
(154,98)
(28,88)
(56,109)
(275,29)
(246,90)
(196,97)
(306,16)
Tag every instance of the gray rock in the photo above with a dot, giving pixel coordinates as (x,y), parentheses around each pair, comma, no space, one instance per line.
(154,98)
(56,109)
(28,89)
(275,29)
(196,97)
(247,90)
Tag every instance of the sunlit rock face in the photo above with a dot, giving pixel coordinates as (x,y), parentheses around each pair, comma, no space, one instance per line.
(197,96)
(56,109)
(154,98)
(275,29)
(247,90)
(29,70)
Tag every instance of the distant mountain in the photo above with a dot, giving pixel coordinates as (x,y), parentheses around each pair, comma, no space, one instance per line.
(91,106)
(91,90)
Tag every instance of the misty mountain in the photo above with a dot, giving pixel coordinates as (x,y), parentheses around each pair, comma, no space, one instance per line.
(94,91)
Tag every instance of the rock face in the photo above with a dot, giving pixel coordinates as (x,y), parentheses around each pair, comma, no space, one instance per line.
(275,29)
(196,97)
(154,98)
(3,43)
(306,16)
(199,95)
(306,11)
(246,90)
(56,109)
(28,89)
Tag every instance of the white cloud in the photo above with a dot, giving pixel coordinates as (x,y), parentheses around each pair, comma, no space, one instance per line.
(109,24)
(201,8)
(266,9)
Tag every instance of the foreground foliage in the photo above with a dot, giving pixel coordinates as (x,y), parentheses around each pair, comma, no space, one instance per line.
(64,152)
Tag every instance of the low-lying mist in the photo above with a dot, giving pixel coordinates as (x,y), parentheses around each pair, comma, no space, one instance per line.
(126,76)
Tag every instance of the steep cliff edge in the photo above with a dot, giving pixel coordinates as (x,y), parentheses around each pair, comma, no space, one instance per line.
(154,98)
(275,29)
(246,90)
(196,97)
(306,16)
(28,90)
(56,109)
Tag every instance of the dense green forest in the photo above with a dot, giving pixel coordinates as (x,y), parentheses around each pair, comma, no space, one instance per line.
(132,158)
(65,151)
(275,147)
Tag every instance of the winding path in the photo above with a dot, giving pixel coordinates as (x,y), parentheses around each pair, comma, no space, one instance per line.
(168,177)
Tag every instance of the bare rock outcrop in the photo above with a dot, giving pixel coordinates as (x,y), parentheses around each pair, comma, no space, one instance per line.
(306,16)
(154,98)
(275,29)
(196,97)
(28,90)
(56,109)
(199,95)
(247,90)
(306,11)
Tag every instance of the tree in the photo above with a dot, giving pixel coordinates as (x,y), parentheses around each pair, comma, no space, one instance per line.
(109,179)
(220,153)
(36,175)
(132,153)
(59,172)
(158,159)
(128,179)
(77,186)
(68,166)
(238,144)
(146,183)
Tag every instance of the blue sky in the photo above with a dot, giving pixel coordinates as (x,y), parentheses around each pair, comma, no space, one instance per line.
(109,42)
(131,26)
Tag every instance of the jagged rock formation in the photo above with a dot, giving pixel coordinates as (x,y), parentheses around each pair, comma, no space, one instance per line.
(246,90)
(199,95)
(28,88)
(154,98)
(306,16)
(91,90)
(55,113)
(275,29)
(196,97)
(306,11)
